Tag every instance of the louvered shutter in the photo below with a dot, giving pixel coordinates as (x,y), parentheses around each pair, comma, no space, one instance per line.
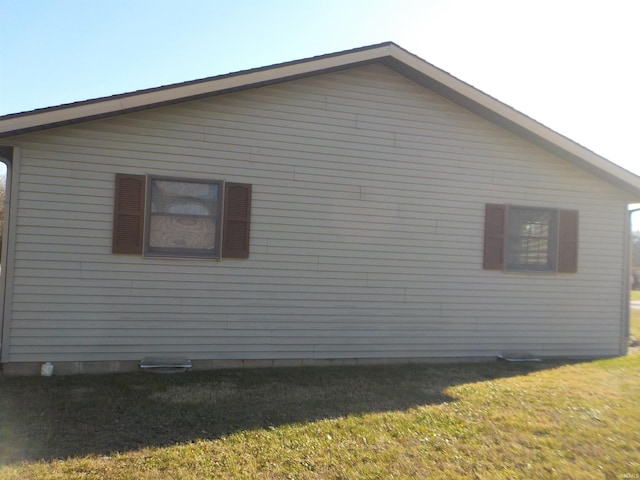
(237,220)
(568,241)
(128,219)
(494,233)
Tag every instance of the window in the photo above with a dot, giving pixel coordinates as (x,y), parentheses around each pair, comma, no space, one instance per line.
(532,239)
(181,217)
(528,239)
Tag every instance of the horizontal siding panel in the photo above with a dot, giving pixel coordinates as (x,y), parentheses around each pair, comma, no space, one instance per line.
(363,160)
(331,268)
(361,304)
(355,342)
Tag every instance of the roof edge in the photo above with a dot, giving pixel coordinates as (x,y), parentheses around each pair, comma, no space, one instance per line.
(388,53)
(91,109)
(518,123)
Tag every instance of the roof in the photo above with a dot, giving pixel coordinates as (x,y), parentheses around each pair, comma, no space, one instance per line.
(389,54)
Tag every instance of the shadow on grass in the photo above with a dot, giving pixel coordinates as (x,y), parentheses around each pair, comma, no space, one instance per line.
(60,417)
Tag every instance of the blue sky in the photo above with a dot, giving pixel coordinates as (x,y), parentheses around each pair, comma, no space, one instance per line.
(570,64)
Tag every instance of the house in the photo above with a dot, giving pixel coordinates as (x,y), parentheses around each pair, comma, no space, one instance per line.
(355,207)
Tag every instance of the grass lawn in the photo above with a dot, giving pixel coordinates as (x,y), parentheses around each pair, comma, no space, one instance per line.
(635,295)
(496,421)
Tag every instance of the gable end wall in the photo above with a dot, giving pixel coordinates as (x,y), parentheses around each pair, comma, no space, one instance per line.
(366,234)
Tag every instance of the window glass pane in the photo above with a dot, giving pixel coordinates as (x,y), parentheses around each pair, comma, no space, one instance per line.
(184,197)
(181,232)
(183,218)
(531,239)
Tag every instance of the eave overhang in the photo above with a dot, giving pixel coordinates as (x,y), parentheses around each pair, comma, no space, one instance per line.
(389,54)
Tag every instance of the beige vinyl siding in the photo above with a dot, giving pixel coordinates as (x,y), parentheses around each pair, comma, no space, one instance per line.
(366,234)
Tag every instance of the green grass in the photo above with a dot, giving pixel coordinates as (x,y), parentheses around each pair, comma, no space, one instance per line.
(635,295)
(495,421)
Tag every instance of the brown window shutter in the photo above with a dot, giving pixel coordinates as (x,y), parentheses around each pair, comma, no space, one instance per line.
(494,232)
(237,220)
(568,241)
(128,218)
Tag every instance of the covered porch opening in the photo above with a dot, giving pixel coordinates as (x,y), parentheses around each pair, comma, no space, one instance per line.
(6,159)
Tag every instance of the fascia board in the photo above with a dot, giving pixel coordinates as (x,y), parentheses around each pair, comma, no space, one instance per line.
(99,108)
(252,79)
(390,54)
(512,120)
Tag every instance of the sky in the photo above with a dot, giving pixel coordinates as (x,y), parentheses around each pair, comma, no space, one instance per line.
(573,65)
